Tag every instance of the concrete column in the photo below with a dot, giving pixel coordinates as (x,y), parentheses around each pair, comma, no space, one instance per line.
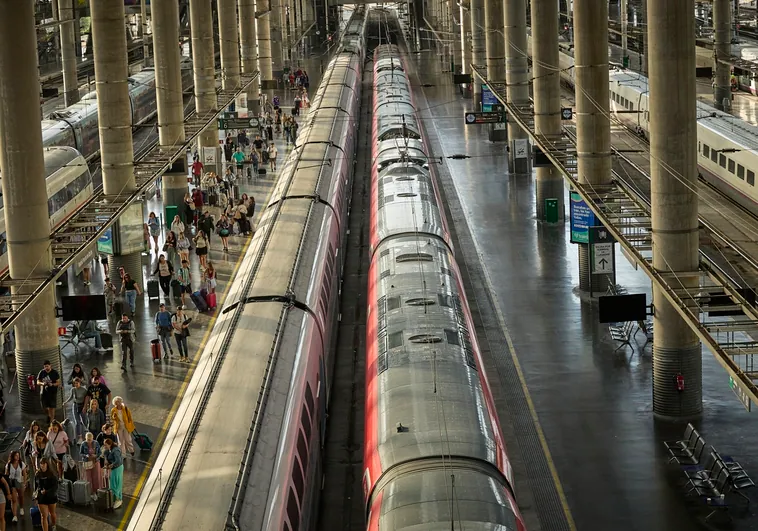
(673,155)
(722,25)
(229,44)
(517,75)
(644,65)
(114,111)
(203,65)
(275,21)
(68,52)
(169,94)
(464,15)
(495,41)
(624,15)
(547,98)
(27,221)
(456,30)
(264,42)
(478,45)
(143,32)
(592,113)
(249,49)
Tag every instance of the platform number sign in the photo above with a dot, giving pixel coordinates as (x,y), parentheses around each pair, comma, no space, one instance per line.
(567,113)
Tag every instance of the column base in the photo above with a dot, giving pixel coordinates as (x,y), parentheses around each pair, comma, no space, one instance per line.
(498,133)
(668,402)
(30,362)
(173,188)
(549,185)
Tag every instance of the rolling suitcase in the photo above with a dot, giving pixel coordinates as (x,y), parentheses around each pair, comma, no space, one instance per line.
(176,288)
(36,516)
(261,171)
(155,350)
(107,340)
(142,440)
(64,491)
(210,299)
(153,289)
(104,495)
(70,428)
(212,199)
(199,302)
(80,492)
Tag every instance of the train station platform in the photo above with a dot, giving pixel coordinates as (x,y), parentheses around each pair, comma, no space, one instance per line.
(577,413)
(152,391)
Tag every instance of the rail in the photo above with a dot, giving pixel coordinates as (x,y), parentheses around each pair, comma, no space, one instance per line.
(68,243)
(628,219)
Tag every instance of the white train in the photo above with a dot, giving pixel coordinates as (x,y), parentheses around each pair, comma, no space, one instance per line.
(727,156)
(69,185)
(76,125)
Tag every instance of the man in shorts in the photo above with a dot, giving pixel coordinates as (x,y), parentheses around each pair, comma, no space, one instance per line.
(48,381)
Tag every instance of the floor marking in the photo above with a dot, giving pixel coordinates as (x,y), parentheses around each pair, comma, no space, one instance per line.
(514,357)
(172,412)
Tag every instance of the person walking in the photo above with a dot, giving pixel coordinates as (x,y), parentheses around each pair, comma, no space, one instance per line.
(95,417)
(180,324)
(169,247)
(89,451)
(154,226)
(165,271)
(131,289)
(126,332)
(201,248)
(206,226)
(49,381)
(184,276)
(47,494)
(78,395)
(109,290)
(272,153)
(123,425)
(115,463)
(18,474)
(224,229)
(164,328)
(197,171)
(183,245)
(177,226)
(59,440)
(209,276)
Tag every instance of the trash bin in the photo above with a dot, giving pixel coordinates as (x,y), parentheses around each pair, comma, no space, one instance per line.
(171,211)
(551,210)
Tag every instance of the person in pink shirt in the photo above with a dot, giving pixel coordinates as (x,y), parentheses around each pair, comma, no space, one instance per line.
(56,436)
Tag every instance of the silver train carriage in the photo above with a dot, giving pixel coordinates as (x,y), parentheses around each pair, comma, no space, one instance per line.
(69,186)
(76,126)
(249,438)
(431,430)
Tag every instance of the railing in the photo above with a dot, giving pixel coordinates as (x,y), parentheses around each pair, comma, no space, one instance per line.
(101,211)
(627,217)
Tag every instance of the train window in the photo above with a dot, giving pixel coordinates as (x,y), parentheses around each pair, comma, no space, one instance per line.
(293,512)
(306,421)
(393,303)
(384,253)
(389,198)
(384,274)
(751,178)
(730,163)
(309,397)
(740,171)
(420,301)
(706,150)
(714,155)
(445,300)
(297,479)
(446,271)
(395,339)
(425,338)
(452,337)
(302,449)
(406,194)
(722,160)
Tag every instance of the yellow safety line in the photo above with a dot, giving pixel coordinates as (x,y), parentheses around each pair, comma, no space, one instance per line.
(187,377)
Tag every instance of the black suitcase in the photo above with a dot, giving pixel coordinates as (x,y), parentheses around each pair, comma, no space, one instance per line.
(199,301)
(261,171)
(107,340)
(176,288)
(264,157)
(212,199)
(153,289)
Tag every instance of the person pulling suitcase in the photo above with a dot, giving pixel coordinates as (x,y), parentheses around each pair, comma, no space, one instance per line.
(127,333)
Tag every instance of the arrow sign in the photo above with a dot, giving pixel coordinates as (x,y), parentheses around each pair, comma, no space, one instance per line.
(602,258)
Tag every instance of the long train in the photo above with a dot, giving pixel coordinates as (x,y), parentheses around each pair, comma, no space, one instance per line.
(76,126)
(727,156)
(434,455)
(244,449)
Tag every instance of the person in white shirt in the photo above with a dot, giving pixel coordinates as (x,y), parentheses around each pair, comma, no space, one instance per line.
(272,153)
(17,474)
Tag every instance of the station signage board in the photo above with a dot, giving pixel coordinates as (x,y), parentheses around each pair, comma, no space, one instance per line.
(582,218)
(488,99)
(237,123)
(475,118)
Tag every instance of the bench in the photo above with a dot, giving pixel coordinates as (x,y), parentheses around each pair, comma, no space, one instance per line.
(646,327)
(622,332)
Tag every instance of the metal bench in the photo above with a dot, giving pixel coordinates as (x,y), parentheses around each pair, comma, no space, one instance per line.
(689,449)
(739,478)
(713,490)
(646,327)
(622,332)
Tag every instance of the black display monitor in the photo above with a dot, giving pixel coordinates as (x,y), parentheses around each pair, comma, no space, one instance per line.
(622,308)
(83,307)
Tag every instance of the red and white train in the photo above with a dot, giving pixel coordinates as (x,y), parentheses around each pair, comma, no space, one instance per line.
(434,453)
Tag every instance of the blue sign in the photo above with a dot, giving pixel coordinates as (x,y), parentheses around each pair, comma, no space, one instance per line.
(488,99)
(582,218)
(105,242)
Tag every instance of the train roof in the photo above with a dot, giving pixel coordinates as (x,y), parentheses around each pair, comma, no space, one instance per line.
(724,124)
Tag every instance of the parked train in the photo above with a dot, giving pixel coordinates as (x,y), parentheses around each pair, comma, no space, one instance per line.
(76,125)
(727,156)
(244,449)
(434,454)
(69,185)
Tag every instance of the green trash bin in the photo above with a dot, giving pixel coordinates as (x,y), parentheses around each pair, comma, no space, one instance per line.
(171,211)
(625,61)
(551,210)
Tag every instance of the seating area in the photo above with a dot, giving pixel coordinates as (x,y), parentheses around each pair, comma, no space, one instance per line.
(708,475)
(73,335)
(623,333)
